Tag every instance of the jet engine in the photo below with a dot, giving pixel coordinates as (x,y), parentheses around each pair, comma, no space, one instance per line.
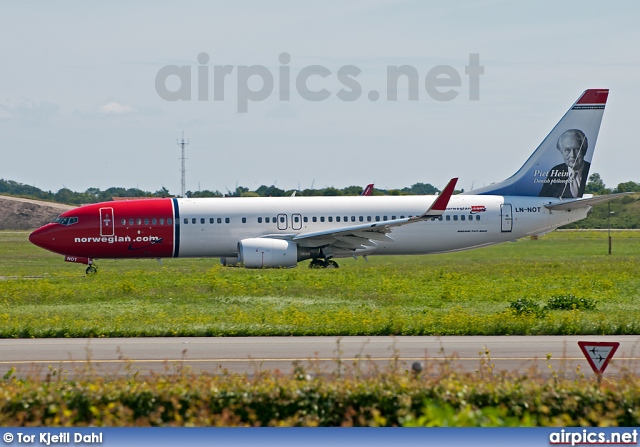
(266,252)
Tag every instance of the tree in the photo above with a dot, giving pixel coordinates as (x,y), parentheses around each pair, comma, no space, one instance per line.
(331,192)
(352,190)
(422,189)
(65,195)
(628,187)
(270,191)
(595,185)
(204,193)
(162,192)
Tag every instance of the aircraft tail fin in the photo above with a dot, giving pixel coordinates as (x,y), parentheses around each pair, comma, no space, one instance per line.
(368,190)
(559,167)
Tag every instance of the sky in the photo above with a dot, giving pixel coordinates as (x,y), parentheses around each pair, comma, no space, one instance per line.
(96,94)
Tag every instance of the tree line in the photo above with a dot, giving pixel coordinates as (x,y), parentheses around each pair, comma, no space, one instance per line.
(595,186)
(95,195)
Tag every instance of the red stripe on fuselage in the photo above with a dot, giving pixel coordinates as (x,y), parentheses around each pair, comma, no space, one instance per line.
(139,229)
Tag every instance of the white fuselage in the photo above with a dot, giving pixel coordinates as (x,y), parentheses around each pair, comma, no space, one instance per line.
(213,227)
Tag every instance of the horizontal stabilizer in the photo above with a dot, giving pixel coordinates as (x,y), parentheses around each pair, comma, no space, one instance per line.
(582,203)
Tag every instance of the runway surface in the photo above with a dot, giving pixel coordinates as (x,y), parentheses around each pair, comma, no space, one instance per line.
(121,356)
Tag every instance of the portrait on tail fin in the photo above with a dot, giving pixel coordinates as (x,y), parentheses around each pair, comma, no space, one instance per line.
(568,179)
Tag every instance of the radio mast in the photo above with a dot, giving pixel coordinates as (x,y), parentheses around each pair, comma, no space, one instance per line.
(182,143)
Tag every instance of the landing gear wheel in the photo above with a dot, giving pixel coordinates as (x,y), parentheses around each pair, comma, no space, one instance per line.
(331,264)
(316,264)
(92,270)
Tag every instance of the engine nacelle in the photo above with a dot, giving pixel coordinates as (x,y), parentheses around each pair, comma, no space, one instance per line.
(265,252)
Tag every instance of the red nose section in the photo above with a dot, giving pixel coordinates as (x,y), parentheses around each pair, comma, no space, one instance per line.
(45,237)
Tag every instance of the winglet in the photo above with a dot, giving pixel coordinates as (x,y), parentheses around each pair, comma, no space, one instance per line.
(439,206)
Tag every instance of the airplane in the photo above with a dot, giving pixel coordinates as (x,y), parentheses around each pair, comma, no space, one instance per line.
(261,232)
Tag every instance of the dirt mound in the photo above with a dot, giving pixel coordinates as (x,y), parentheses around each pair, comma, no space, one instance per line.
(27,214)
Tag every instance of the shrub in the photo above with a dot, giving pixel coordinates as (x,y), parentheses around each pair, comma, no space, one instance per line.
(570,302)
(523,306)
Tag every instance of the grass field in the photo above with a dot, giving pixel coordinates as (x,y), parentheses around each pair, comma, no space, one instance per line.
(459,293)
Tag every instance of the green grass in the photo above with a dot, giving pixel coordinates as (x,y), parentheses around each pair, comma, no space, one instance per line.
(459,293)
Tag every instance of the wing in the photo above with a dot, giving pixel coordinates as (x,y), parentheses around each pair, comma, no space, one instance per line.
(356,237)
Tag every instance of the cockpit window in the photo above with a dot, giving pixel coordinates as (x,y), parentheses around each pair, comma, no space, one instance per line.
(65,220)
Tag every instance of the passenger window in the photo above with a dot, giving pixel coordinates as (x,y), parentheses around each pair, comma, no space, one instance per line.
(123,222)
(393,217)
(377,218)
(440,218)
(477,216)
(305,219)
(337,218)
(330,218)
(353,218)
(146,221)
(321,218)
(361,219)
(401,217)
(139,221)
(384,218)
(226,220)
(462,217)
(162,221)
(202,220)
(193,220)
(211,220)
(346,219)
(448,217)
(314,218)
(244,220)
(154,221)
(368,218)
(455,217)
(219,220)
(186,221)
(259,219)
(169,221)
(267,220)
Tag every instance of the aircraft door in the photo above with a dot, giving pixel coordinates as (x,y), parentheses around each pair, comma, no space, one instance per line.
(282,222)
(106,222)
(507,217)
(296,221)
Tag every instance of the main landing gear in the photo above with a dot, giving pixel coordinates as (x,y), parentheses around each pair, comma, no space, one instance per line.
(323,264)
(92,269)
